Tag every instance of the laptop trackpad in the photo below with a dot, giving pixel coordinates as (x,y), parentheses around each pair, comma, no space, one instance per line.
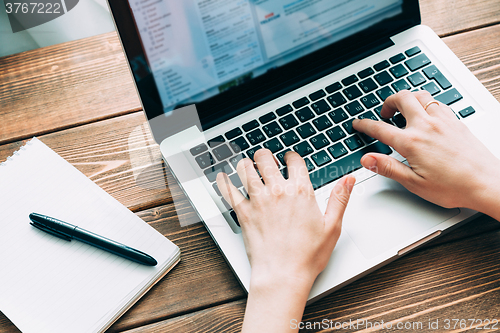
(382,214)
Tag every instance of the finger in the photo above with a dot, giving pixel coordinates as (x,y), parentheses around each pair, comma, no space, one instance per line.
(388,134)
(391,168)
(404,102)
(267,166)
(434,109)
(296,166)
(337,203)
(229,192)
(248,175)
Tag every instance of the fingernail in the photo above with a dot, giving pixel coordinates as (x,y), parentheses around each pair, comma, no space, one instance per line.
(355,121)
(369,162)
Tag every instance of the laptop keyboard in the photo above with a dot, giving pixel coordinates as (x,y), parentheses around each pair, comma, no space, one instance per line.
(319,126)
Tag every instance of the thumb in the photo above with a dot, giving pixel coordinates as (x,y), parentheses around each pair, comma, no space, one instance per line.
(337,202)
(389,167)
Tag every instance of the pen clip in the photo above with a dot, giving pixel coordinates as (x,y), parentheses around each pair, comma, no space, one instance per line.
(50,231)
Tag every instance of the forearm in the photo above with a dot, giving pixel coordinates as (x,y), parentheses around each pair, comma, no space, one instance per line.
(275,306)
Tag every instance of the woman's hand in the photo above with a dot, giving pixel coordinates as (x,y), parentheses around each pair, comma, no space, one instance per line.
(288,239)
(449,166)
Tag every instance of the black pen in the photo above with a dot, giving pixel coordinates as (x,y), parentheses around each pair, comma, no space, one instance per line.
(68,232)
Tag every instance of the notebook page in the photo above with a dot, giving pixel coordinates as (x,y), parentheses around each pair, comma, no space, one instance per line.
(51,285)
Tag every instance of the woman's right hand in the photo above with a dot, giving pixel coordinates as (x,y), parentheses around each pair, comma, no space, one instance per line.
(448,165)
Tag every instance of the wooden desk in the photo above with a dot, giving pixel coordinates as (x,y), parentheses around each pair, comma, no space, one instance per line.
(79,99)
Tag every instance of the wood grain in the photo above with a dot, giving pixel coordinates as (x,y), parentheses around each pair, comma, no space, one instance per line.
(454,280)
(64,85)
(454,16)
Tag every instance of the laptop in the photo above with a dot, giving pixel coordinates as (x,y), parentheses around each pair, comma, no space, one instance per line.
(220,79)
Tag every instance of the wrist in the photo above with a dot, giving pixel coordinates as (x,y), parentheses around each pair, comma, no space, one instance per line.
(486,196)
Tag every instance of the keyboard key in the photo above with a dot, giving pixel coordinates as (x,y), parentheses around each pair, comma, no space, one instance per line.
(348,126)
(365,73)
(322,123)
(317,95)
(198,149)
(235,159)
(235,217)
(417,62)
(205,160)
(306,130)
(222,152)
(369,101)
(303,148)
(300,102)
(273,145)
(401,85)
(411,52)
(337,150)
(336,100)
(336,133)
(284,172)
(235,179)
(381,65)
(267,117)
(368,115)
(377,110)
(281,156)
(467,112)
(272,129)
(383,78)
(226,204)
(338,115)
(319,141)
(250,125)
(398,71)
(239,144)
(211,173)
(216,189)
(354,108)
(215,141)
(321,107)
(309,165)
(416,79)
(333,87)
(255,137)
(349,80)
(251,151)
(433,73)
(289,138)
(348,164)
(354,142)
(284,110)
(304,114)
(367,139)
(449,97)
(321,158)
(384,93)
(432,88)
(233,133)
(368,85)
(397,58)
(399,120)
(288,122)
(352,92)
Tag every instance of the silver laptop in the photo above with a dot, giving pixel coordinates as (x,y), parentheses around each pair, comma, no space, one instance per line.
(220,79)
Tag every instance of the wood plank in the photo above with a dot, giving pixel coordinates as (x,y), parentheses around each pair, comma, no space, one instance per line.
(458,280)
(451,17)
(118,154)
(88,80)
(64,85)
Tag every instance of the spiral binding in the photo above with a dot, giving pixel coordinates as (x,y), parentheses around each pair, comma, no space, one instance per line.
(17,152)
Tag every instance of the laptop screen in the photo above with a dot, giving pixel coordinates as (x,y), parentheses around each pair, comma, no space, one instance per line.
(197,49)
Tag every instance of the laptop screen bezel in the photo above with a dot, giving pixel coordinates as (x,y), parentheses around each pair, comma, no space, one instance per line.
(261,89)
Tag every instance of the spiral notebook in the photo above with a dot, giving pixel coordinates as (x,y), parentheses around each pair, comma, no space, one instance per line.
(51,285)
